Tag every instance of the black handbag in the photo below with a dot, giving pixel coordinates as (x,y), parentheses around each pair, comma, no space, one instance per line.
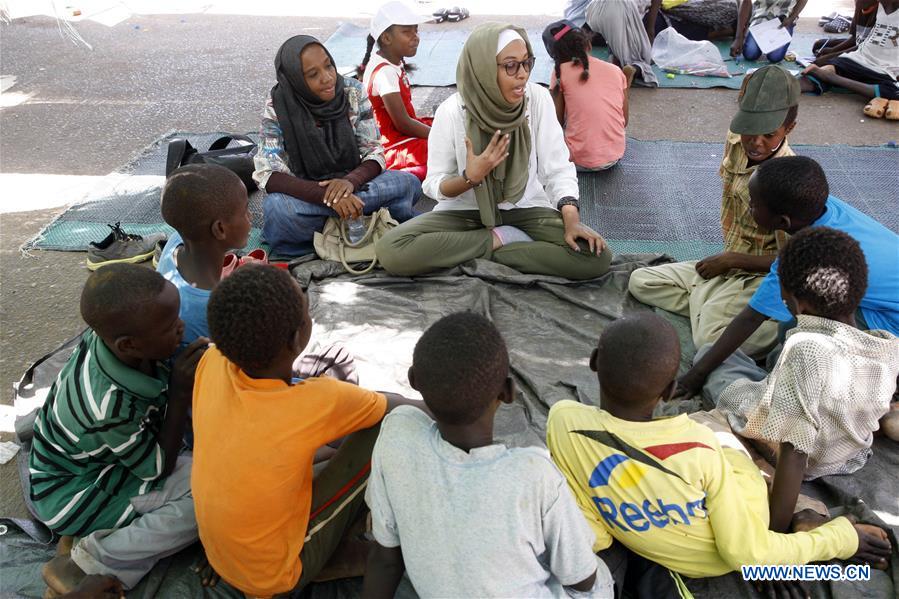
(238,159)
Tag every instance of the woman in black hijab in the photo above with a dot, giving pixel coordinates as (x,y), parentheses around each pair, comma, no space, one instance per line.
(320,154)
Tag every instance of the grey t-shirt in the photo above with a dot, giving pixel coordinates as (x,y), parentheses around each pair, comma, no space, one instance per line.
(493,522)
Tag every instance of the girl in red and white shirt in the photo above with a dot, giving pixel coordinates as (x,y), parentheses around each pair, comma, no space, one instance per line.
(403,134)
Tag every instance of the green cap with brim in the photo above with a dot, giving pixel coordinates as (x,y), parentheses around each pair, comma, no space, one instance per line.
(769,94)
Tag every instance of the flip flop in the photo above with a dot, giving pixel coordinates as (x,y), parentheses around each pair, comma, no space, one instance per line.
(457,14)
(441,15)
(839,24)
(877,107)
(892,111)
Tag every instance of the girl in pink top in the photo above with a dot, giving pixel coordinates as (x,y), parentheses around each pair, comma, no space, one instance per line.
(590,97)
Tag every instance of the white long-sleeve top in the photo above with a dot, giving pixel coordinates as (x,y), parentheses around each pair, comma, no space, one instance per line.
(551,176)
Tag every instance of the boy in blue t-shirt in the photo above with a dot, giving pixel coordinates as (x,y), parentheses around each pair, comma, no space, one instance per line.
(790,194)
(208,207)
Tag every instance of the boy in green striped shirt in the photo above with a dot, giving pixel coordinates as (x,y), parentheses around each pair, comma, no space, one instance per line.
(104,459)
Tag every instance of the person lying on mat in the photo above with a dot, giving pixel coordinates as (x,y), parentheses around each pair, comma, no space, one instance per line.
(498,167)
(871,70)
(268,524)
(320,153)
(531,540)
(712,291)
(790,194)
(666,488)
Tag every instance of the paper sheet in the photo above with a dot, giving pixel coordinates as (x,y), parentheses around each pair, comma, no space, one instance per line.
(770,36)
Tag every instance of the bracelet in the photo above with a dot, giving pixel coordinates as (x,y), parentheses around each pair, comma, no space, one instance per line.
(568,201)
(471,183)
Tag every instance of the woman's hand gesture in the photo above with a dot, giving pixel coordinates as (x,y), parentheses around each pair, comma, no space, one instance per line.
(576,231)
(478,166)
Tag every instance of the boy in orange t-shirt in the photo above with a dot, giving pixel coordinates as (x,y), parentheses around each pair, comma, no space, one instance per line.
(267,524)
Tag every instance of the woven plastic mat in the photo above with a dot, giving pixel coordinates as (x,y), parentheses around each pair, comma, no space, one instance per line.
(663,197)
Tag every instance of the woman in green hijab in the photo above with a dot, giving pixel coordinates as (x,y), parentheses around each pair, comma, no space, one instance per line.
(498,167)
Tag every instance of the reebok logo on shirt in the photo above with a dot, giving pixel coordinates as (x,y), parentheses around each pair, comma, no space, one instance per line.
(632,465)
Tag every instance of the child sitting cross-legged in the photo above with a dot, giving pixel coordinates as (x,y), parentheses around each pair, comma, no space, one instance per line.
(104,464)
(207,206)
(665,488)
(267,524)
(831,384)
(463,515)
(590,96)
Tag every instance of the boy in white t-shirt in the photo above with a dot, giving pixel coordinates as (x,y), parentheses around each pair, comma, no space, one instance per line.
(467,517)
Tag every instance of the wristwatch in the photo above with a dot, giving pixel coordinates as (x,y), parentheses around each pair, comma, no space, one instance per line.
(470,183)
(568,201)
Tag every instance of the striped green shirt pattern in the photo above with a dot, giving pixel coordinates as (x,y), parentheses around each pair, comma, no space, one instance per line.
(95,442)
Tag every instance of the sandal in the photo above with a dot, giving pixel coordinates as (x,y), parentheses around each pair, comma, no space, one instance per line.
(457,14)
(441,15)
(892,111)
(839,24)
(877,107)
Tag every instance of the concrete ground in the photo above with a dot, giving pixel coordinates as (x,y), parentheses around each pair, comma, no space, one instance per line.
(86,112)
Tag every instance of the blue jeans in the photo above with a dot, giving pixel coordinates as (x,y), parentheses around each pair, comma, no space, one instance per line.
(290,223)
(751,50)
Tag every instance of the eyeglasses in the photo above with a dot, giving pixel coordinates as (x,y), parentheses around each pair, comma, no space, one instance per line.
(512,67)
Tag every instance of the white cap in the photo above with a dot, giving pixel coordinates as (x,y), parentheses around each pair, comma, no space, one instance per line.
(394,13)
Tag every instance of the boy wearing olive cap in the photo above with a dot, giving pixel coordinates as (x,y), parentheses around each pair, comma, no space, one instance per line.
(712,291)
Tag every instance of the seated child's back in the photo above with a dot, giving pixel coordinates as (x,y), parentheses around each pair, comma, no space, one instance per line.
(207,206)
(594,95)
(257,431)
(832,382)
(473,518)
(664,487)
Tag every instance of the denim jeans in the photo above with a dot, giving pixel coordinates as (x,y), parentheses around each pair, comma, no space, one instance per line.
(290,223)
(751,50)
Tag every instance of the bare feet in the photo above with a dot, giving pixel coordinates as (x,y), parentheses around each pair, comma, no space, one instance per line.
(889,424)
(62,575)
(629,72)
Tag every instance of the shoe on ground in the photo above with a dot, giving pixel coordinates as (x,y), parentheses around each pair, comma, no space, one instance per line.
(257,255)
(230,262)
(157,252)
(120,247)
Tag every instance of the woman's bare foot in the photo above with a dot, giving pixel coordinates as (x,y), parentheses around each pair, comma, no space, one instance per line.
(889,424)
(62,575)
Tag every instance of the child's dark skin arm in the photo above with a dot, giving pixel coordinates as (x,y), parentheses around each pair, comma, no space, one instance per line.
(404,123)
(559,103)
(742,21)
(788,475)
(395,400)
(181,387)
(651,17)
(719,264)
(383,572)
(737,332)
(584,585)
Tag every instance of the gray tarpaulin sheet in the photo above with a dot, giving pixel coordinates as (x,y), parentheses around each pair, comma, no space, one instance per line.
(550,326)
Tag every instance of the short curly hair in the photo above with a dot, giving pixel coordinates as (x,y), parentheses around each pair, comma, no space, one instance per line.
(826,269)
(795,186)
(115,298)
(254,314)
(196,195)
(460,365)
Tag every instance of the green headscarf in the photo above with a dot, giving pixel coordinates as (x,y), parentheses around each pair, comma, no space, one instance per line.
(488,112)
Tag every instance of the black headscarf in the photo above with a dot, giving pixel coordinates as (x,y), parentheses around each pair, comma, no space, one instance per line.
(318,136)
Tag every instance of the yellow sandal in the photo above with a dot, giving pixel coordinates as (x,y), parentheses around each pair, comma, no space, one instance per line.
(876,108)
(892,111)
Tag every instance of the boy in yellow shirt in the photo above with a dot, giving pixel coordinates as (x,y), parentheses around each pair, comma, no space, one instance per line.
(665,488)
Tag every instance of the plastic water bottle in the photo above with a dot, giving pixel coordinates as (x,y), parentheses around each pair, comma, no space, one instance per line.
(355,229)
